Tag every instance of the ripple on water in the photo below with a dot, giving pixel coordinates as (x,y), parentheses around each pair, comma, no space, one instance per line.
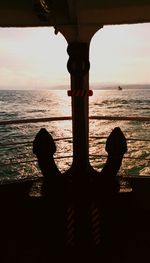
(38,104)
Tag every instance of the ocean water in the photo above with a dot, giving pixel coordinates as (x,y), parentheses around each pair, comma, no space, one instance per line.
(16,157)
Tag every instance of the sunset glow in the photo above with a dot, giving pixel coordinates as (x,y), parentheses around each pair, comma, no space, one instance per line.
(37,58)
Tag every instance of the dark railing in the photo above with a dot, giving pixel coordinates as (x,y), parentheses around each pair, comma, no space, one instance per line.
(12,161)
(65,118)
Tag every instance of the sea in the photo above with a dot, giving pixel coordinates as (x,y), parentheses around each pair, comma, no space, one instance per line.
(17,160)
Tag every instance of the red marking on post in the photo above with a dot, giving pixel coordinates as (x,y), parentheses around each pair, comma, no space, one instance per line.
(69,92)
(90,92)
(79,93)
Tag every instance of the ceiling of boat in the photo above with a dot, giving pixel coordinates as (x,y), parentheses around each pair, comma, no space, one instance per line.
(29,13)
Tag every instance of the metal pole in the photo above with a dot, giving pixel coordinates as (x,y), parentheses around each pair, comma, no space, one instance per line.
(78,67)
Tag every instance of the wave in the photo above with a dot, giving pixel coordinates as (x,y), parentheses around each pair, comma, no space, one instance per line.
(35,111)
(24,104)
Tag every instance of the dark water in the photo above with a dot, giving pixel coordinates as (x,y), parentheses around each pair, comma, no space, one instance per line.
(17,160)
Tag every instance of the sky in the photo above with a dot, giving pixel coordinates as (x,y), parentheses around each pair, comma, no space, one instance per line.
(36,58)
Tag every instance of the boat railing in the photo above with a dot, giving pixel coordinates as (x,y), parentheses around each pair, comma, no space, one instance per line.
(13,161)
(65,118)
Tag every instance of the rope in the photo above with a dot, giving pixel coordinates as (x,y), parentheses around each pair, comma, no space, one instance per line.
(70,225)
(95,225)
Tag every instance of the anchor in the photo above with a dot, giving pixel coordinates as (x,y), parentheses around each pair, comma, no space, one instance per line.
(83,190)
(83,201)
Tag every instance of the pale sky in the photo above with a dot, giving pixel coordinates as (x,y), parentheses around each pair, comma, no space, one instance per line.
(36,57)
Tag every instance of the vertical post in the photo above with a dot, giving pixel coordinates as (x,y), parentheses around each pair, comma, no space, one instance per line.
(78,67)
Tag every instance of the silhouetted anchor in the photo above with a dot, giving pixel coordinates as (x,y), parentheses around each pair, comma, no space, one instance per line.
(106,184)
(44,148)
(116,147)
(83,206)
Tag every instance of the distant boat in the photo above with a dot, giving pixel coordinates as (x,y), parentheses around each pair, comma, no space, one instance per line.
(119,88)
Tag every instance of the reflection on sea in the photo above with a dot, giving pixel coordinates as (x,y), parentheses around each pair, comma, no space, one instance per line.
(17,160)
